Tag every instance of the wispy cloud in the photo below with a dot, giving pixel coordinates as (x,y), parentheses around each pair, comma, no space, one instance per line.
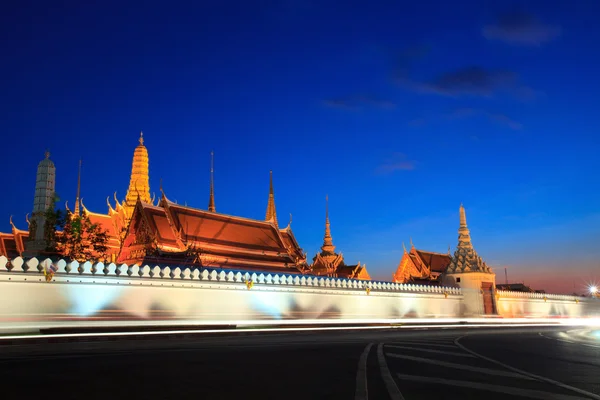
(397,162)
(359,101)
(469,112)
(472,80)
(520,28)
(496,117)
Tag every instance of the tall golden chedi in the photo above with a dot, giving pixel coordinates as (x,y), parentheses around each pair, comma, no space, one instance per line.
(331,264)
(468,271)
(117,219)
(139,182)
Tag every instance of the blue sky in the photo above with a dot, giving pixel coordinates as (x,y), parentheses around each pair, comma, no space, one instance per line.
(399,111)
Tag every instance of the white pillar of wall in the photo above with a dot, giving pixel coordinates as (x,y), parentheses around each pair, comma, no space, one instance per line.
(470,283)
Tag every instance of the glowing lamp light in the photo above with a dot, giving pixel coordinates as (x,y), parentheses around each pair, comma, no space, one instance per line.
(593,290)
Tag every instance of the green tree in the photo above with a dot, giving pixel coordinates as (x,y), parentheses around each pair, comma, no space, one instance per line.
(80,239)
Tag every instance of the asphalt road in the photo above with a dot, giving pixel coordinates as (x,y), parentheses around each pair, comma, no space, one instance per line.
(538,363)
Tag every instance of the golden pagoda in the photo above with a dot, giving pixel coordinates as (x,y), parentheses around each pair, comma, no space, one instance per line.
(329,263)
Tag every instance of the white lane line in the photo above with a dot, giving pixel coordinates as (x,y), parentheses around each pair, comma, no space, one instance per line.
(520,371)
(362,393)
(451,353)
(447,346)
(482,370)
(513,391)
(569,341)
(390,385)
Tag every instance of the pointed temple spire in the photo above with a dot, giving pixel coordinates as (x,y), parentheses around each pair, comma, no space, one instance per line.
(76,211)
(139,184)
(464,236)
(465,257)
(328,247)
(271,214)
(211,199)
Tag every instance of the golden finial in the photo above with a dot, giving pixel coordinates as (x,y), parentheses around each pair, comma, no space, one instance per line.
(211,199)
(76,212)
(404,247)
(141,138)
(271,214)
(411,243)
(47,153)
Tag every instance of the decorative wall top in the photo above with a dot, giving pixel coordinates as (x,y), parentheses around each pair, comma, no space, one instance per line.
(530,295)
(62,267)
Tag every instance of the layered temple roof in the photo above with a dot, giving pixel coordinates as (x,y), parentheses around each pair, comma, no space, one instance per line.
(420,265)
(330,263)
(13,244)
(465,257)
(170,231)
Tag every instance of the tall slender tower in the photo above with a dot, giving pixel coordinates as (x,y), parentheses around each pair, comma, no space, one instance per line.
(211,199)
(139,183)
(43,200)
(271,214)
(78,198)
(328,248)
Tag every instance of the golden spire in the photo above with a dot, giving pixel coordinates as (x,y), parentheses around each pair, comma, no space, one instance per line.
(139,184)
(76,211)
(211,200)
(271,214)
(328,246)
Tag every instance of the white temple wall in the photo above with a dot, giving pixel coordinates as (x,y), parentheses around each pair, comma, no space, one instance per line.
(121,295)
(543,305)
(95,294)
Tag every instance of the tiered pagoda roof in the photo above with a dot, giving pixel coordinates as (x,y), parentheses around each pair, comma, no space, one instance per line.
(170,231)
(465,257)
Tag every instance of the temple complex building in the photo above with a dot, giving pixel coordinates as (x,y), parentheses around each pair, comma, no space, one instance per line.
(169,233)
(421,266)
(331,264)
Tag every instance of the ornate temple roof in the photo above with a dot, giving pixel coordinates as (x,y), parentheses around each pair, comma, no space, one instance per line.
(232,241)
(435,262)
(465,257)
(329,263)
(13,244)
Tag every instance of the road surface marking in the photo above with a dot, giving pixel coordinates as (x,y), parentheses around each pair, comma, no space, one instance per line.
(452,353)
(362,392)
(482,370)
(569,341)
(390,385)
(448,346)
(513,391)
(520,371)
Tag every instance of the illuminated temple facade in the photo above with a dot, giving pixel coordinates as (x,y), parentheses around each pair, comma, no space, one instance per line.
(421,266)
